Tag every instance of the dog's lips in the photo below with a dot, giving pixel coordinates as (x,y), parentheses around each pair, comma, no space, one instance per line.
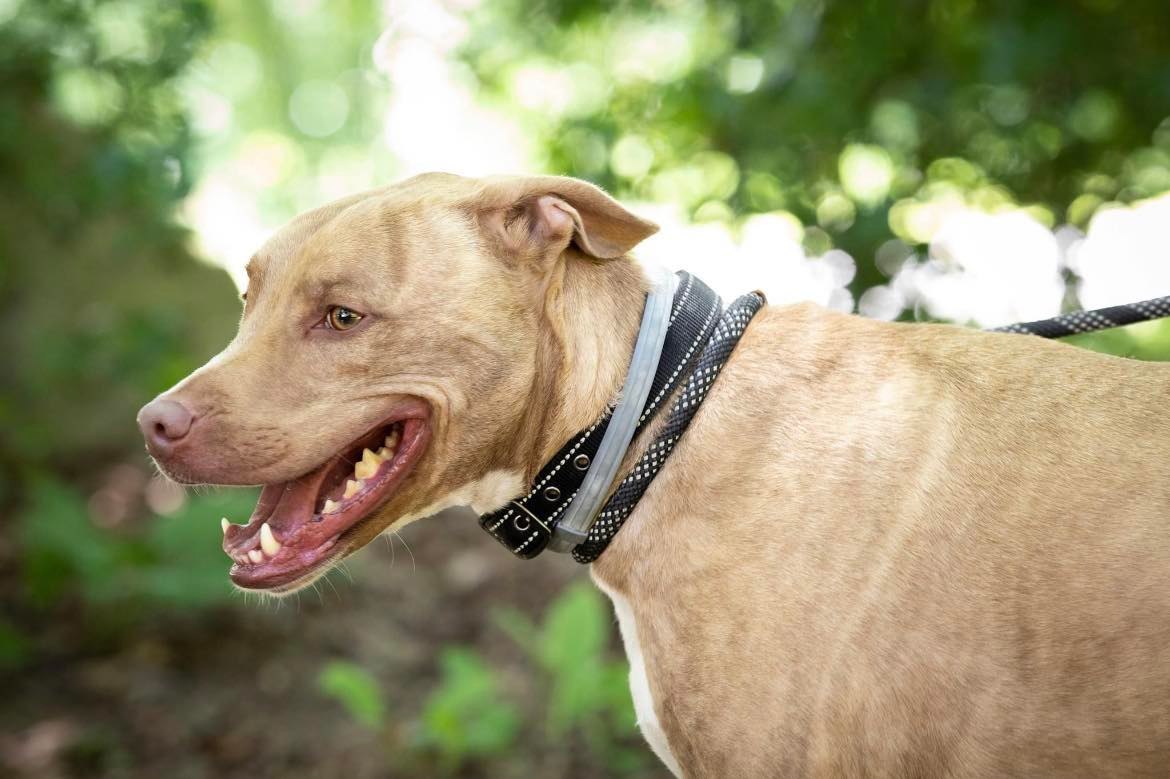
(290,539)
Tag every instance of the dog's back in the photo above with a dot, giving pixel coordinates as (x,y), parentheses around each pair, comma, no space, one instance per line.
(910,550)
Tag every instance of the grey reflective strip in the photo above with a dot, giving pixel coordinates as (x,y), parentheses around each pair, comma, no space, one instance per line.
(573,529)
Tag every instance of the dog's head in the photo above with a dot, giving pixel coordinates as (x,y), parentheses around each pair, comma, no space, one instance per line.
(387,356)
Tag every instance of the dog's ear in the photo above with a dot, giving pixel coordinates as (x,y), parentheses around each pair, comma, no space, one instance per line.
(539,216)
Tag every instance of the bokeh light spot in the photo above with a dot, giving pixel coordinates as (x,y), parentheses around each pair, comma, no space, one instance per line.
(895,124)
(744,73)
(631,157)
(318,108)
(233,69)
(652,52)
(1094,116)
(542,88)
(881,302)
(866,173)
(1008,105)
(835,212)
(87,97)
(121,32)
(9,9)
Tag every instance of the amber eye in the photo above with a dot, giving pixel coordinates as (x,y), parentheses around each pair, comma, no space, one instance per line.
(342,318)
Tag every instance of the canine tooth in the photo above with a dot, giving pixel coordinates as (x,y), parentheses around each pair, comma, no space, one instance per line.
(368,466)
(329,507)
(224,524)
(255,555)
(268,541)
(351,488)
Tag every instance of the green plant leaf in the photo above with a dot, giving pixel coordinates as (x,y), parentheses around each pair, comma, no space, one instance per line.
(14,647)
(175,561)
(572,652)
(575,630)
(465,716)
(356,690)
(518,627)
(62,547)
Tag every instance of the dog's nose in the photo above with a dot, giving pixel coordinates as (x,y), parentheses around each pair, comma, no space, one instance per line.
(164,423)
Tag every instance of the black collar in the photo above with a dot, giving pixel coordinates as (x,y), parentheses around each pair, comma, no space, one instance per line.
(698,341)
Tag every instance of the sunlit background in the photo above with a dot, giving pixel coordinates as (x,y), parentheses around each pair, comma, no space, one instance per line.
(903,159)
(961,245)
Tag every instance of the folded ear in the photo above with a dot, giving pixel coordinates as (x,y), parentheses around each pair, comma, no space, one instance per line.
(539,216)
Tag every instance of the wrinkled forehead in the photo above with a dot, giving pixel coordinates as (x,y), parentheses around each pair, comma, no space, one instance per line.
(390,222)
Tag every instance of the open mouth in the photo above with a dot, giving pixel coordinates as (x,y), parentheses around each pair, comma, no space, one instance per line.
(298,527)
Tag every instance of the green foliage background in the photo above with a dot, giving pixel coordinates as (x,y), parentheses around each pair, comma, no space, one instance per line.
(121,645)
(1060,105)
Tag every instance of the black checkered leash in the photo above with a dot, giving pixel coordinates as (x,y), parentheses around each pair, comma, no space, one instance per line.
(1091,321)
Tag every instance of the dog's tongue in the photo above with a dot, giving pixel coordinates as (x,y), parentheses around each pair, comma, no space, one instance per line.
(287,506)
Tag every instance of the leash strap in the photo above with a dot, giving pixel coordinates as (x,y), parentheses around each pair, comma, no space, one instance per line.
(727,334)
(1091,321)
(526,524)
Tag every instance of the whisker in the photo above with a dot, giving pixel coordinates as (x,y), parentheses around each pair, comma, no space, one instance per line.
(413,564)
(329,580)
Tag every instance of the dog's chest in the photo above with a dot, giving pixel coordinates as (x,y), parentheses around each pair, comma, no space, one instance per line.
(640,682)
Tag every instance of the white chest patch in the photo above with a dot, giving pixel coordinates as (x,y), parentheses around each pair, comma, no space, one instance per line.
(639,682)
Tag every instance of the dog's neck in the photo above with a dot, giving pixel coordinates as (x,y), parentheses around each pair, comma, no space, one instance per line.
(592,312)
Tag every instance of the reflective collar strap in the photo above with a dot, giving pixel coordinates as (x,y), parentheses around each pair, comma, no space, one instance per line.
(715,354)
(573,529)
(527,524)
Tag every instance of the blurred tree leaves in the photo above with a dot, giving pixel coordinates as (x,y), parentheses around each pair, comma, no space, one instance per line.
(172,561)
(105,304)
(840,111)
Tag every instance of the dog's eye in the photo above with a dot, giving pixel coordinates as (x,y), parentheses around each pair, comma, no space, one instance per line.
(342,318)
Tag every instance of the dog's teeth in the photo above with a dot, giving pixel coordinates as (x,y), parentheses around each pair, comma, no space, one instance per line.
(392,440)
(368,466)
(351,488)
(268,541)
(329,507)
(385,453)
(223,523)
(256,556)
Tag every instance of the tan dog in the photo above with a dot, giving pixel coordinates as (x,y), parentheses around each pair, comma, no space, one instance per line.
(879,549)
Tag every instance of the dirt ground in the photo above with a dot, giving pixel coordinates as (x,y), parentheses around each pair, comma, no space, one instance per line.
(233,693)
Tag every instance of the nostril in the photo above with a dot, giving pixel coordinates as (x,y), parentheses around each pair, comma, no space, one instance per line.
(164,422)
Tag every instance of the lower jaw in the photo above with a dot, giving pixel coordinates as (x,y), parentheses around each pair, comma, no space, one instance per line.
(284,583)
(309,544)
(290,579)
